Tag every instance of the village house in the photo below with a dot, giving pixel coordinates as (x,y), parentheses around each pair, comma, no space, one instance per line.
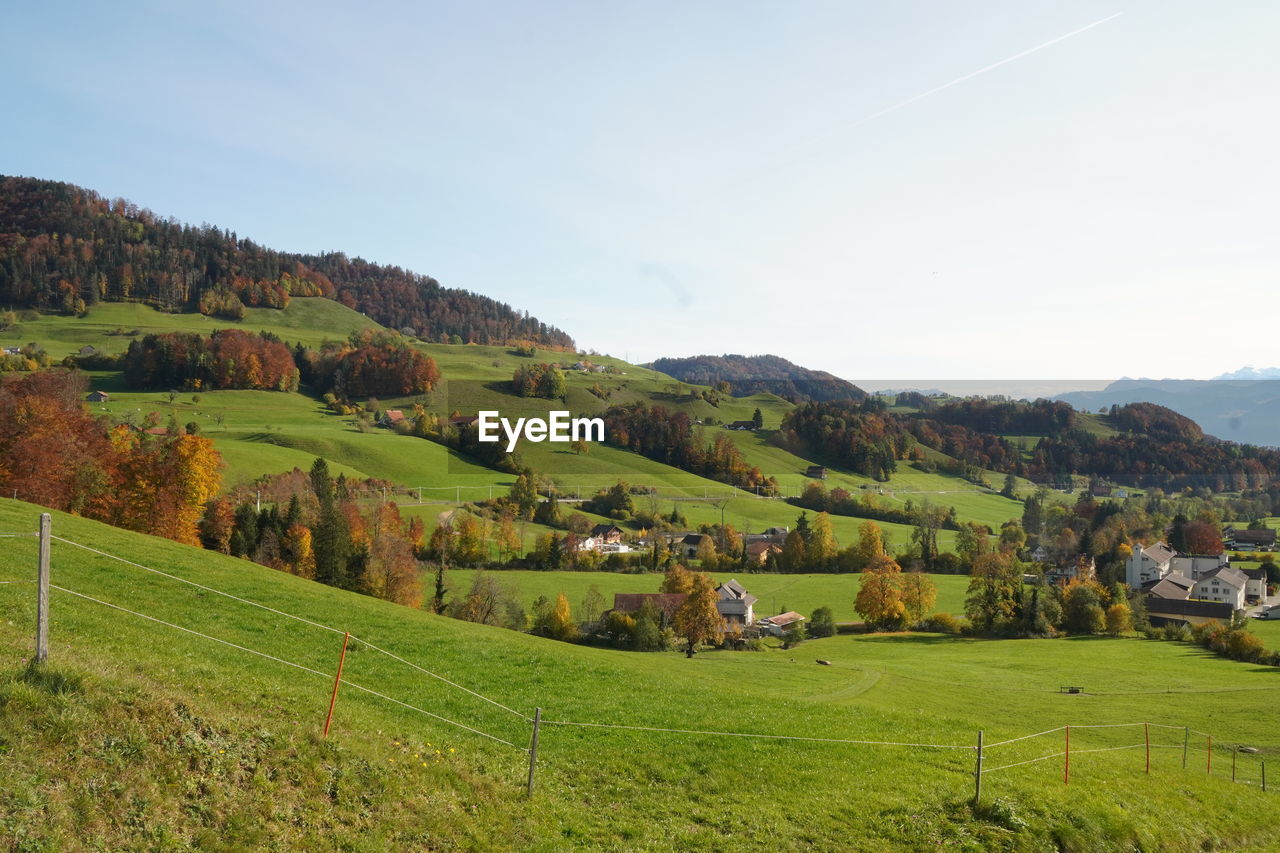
(1146,564)
(390,418)
(1082,567)
(98,397)
(816,472)
(666,603)
(759,552)
(780,624)
(1249,540)
(687,547)
(745,426)
(463,421)
(1226,585)
(607,533)
(776,535)
(735,605)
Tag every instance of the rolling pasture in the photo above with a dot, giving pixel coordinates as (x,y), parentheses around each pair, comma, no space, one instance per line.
(202,743)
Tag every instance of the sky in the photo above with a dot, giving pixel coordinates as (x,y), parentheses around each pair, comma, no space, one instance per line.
(864,188)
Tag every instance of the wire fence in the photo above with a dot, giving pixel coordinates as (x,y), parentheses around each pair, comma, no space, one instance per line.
(1256,771)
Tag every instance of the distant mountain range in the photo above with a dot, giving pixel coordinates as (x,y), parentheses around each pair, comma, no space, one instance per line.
(1251,372)
(758,374)
(1237,408)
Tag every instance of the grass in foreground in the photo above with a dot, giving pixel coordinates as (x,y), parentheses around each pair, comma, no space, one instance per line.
(167,784)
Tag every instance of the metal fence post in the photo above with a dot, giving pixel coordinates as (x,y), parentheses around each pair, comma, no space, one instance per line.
(533,747)
(977,773)
(42,591)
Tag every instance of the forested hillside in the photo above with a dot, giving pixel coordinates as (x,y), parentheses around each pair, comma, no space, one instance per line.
(64,248)
(760,374)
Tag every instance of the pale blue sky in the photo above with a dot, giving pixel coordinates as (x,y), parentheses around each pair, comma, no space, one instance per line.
(676,178)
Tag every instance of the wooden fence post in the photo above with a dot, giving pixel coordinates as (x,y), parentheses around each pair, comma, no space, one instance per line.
(977,773)
(533,748)
(1146,734)
(337,679)
(1186,737)
(42,591)
(1208,756)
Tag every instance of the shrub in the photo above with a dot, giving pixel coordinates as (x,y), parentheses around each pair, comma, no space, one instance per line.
(822,623)
(942,623)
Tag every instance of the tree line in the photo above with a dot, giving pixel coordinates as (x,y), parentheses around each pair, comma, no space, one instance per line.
(64,248)
(672,439)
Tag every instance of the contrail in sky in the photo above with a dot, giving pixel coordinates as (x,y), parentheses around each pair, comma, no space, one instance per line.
(781,161)
(956,82)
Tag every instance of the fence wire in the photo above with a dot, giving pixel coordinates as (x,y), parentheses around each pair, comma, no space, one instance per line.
(271,657)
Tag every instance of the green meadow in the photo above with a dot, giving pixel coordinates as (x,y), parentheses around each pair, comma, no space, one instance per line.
(261,432)
(140,735)
(803,593)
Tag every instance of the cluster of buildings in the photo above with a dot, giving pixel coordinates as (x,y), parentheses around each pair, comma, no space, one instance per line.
(735,605)
(1192,588)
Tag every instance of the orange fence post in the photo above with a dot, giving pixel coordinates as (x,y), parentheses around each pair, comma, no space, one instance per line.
(337,679)
(1066,759)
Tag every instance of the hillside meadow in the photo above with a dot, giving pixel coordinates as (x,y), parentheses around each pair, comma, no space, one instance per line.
(777,593)
(264,432)
(141,735)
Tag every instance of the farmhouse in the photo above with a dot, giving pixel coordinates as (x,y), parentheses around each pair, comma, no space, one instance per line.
(98,397)
(759,552)
(606,533)
(666,603)
(745,426)
(1171,586)
(776,535)
(1255,588)
(735,604)
(391,417)
(688,546)
(1082,567)
(463,421)
(816,472)
(1153,562)
(1249,540)
(778,625)
(1147,564)
(1225,585)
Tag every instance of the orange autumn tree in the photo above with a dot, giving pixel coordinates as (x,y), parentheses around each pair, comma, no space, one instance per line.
(698,620)
(879,599)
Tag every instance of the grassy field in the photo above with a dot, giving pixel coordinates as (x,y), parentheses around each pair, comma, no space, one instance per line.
(265,432)
(143,736)
(776,593)
(310,320)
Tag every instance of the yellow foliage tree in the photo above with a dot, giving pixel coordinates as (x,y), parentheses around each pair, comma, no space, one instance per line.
(879,599)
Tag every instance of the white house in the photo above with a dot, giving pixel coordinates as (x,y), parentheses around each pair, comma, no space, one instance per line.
(1147,564)
(735,604)
(1155,562)
(1196,565)
(1226,585)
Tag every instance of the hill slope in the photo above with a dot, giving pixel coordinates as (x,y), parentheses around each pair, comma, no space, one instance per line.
(142,735)
(760,374)
(64,248)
